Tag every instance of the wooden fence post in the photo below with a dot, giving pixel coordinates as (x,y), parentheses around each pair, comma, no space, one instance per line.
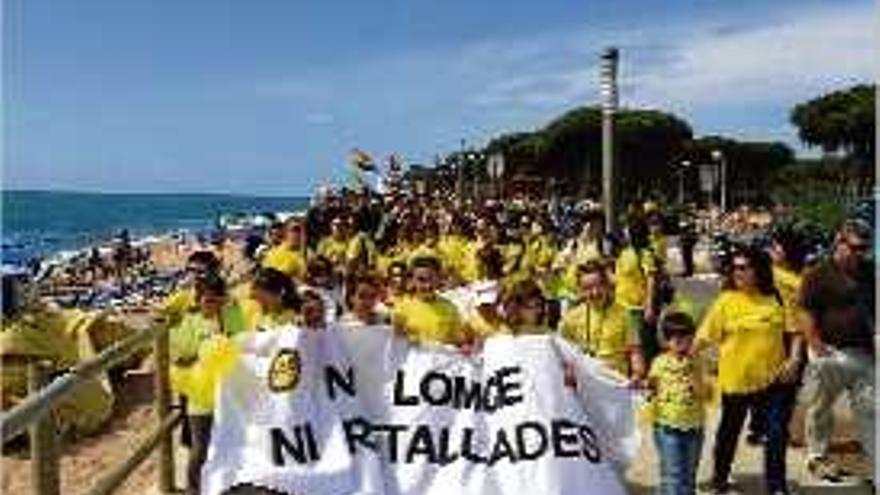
(163,407)
(43,444)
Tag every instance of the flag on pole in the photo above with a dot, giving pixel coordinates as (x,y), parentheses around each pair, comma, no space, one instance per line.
(361,160)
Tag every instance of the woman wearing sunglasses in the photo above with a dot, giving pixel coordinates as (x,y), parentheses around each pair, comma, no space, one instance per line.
(747,324)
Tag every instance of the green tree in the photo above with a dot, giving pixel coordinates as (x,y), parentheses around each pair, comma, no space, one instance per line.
(569,149)
(840,121)
(750,165)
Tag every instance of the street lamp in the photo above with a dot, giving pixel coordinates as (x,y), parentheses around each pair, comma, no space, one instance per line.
(608,86)
(459,180)
(472,159)
(495,168)
(685,165)
(718,157)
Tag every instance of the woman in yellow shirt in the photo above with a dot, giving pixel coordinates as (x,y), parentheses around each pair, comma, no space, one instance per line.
(273,301)
(658,240)
(787,251)
(747,323)
(634,274)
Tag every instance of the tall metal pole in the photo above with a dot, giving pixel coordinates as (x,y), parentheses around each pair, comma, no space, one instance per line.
(609,107)
(723,184)
(459,182)
(682,169)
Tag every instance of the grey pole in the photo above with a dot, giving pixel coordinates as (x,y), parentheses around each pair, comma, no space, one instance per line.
(719,157)
(459,182)
(681,171)
(609,107)
(723,184)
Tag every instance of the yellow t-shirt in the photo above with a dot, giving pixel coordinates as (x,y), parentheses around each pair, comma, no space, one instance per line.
(539,254)
(423,250)
(257,319)
(679,395)
(287,261)
(788,283)
(429,321)
(483,329)
(361,247)
(748,330)
(631,277)
(470,264)
(175,306)
(452,251)
(660,246)
(334,250)
(513,255)
(578,254)
(600,332)
(397,253)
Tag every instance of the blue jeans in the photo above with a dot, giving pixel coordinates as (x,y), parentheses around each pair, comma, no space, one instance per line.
(679,452)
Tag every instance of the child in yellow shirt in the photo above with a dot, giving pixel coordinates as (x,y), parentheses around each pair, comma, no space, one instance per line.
(678,397)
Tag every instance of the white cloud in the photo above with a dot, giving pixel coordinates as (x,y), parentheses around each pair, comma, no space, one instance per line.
(806,54)
(688,66)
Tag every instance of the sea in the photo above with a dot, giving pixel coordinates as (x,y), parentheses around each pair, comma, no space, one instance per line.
(37,224)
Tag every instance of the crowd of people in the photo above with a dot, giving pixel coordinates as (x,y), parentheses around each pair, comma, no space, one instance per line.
(440,271)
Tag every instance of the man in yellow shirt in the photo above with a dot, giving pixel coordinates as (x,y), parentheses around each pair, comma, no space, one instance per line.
(598,325)
(289,256)
(424,316)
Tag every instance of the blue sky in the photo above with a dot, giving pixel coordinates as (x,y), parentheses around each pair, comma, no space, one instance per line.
(268,96)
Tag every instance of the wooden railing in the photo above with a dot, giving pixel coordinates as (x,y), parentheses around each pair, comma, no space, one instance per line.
(32,414)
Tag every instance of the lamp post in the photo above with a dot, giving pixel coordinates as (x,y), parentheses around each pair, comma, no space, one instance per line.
(459,179)
(718,157)
(495,168)
(472,161)
(685,165)
(608,87)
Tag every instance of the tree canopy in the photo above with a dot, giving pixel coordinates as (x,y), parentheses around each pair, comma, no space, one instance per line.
(840,121)
(650,147)
(569,149)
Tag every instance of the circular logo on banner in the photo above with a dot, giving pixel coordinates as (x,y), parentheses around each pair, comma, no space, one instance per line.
(284,371)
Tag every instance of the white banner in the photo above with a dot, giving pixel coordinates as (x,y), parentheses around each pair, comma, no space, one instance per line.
(359,411)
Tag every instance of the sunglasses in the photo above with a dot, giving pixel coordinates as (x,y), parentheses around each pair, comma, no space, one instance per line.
(857,247)
(741,267)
